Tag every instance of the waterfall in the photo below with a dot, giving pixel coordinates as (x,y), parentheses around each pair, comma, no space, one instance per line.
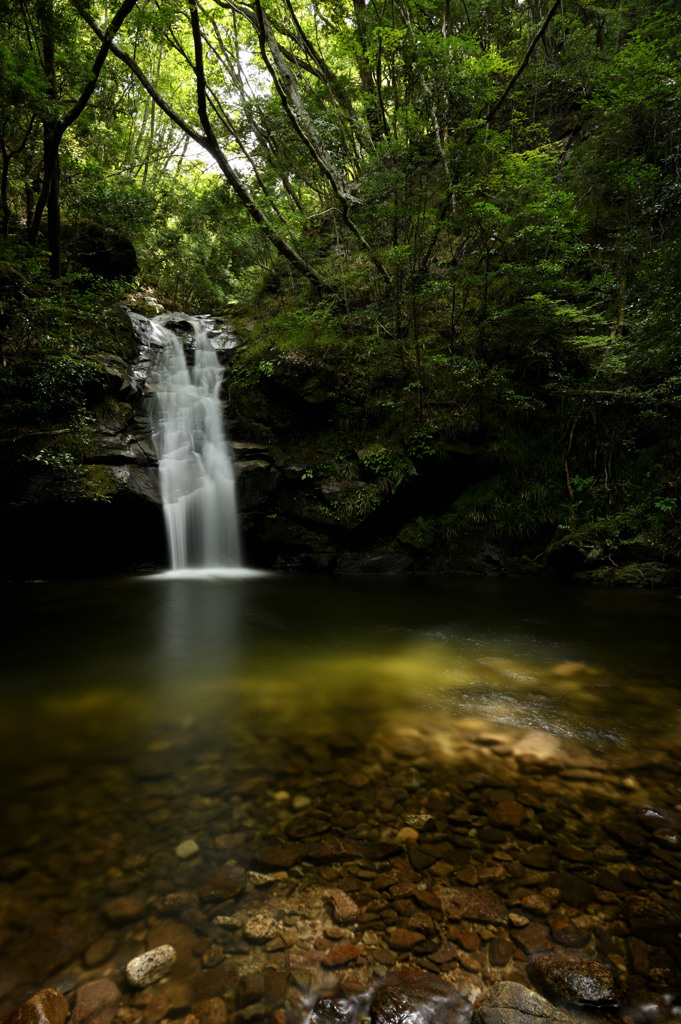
(195,466)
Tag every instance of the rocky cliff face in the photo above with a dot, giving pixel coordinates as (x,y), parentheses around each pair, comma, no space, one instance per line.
(309,501)
(311,498)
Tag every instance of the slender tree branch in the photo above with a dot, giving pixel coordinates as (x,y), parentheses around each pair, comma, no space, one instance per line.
(525,61)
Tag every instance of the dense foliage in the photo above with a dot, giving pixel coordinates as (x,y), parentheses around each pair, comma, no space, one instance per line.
(466,213)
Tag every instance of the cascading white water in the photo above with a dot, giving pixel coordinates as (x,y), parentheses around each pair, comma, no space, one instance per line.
(195,467)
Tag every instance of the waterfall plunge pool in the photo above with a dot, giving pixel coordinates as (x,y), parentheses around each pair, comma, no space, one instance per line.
(313,734)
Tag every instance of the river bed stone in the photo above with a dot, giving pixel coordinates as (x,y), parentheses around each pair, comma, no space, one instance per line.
(280,909)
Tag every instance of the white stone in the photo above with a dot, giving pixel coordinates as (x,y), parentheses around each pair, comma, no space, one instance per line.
(260,927)
(419,821)
(300,802)
(186,849)
(150,966)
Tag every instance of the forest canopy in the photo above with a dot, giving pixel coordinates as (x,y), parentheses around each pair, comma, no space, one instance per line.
(469,207)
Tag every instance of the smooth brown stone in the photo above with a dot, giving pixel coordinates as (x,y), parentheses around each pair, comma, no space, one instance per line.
(566,932)
(475,905)
(444,954)
(344,908)
(507,814)
(211,1011)
(251,989)
(223,884)
(280,857)
(339,955)
(96,1002)
(412,996)
(470,941)
(99,952)
(48,1006)
(500,951)
(573,980)
(307,825)
(533,938)
(153,1003)
(330,851)
(402,939)
(123,909)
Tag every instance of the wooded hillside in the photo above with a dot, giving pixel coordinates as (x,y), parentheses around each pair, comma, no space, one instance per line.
(462,217)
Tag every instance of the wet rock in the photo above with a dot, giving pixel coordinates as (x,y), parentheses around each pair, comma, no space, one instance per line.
(421,822)
(407,835)
(671,838)
(500,951)
(373,562)
(256,480)
(260,928)
(278,857)
(251,989)
(377,850)
(403,939)
(575,891)
(175,902)
(533,938)
(212,956)
(565,931)
(48,1006)
(153,1004)
(223,884)
(186,849)
(341,954)
(444,954)
(492,836)
(507,814)
(410,997)
(336,1010)
(631,836)
(307,825)
(470,941)
(99,951)
(420,922)
(654,818)
(536,903)
(430,901)
(211,1011)
(150,966)
(343,907)
(330,851)
(123,909)
(475,905)
(96,1002)
(539,857)
(573,980)
(507,1002)
(574,853)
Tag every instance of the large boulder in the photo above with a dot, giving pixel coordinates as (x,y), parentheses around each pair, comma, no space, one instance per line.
(573,980)
(101,250)
(415,997)
(508,1002)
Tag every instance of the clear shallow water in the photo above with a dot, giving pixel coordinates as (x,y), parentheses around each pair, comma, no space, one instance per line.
(139,712)
(166,654)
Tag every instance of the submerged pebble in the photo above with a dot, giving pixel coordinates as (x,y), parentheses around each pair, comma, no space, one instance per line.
(150,966)
(186,849)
